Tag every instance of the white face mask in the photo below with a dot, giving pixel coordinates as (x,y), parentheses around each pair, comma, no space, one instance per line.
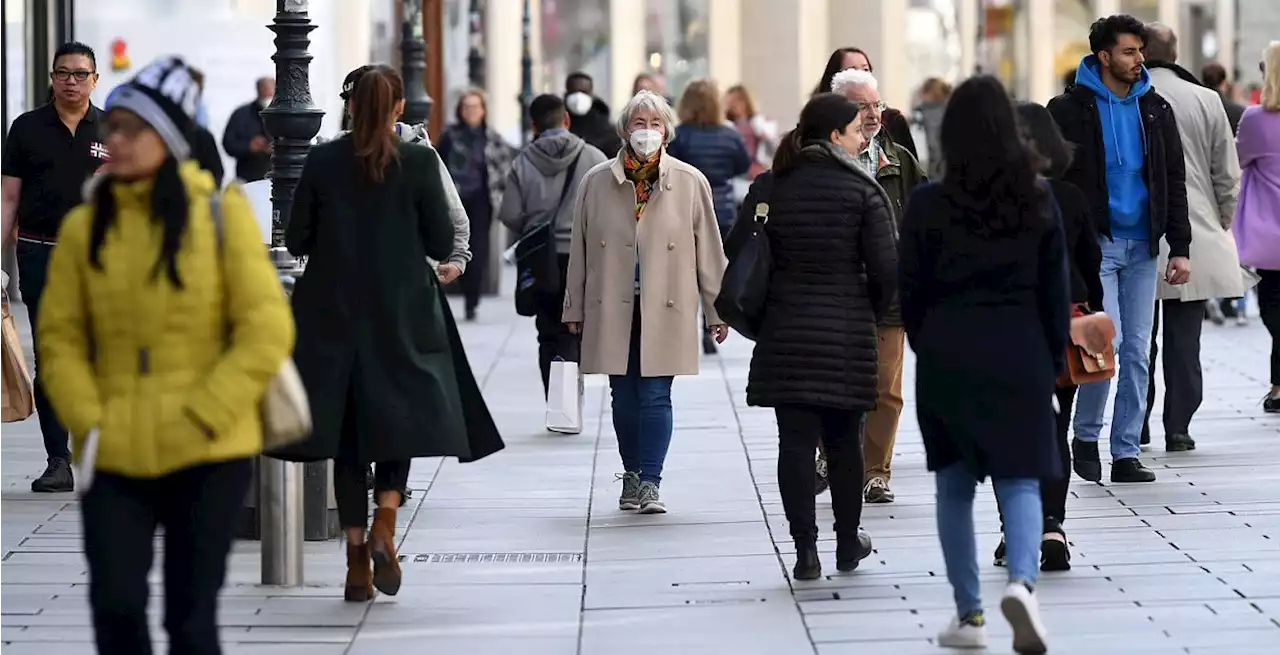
(646,142)
(578,103)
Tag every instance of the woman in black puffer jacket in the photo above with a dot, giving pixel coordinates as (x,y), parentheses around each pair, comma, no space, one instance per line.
(834,275)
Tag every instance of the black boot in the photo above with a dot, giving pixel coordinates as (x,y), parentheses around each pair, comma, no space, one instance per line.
(1179,442)
(808,566)
(1130,469)
(851,550)
(56,477)
(1084,460)
(1055,554)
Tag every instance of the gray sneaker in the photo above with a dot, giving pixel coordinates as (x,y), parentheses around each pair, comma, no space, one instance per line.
(649,501)
(630,498)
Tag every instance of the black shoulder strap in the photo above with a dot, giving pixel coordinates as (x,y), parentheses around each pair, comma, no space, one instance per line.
(568,179)
(215,211)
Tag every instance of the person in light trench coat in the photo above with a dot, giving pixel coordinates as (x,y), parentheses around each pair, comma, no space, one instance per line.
(644,257)
(1213,183)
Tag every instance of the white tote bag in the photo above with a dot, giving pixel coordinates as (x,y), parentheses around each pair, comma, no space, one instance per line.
(564,398)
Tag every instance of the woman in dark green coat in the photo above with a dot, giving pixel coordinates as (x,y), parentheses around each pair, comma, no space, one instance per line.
(378,349)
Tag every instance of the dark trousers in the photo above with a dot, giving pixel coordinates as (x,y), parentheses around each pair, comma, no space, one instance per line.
(554,338)
(800,429)
(33,264)
(1269,307)
(351,473)
(1183,379)
(480,212)
(198,508)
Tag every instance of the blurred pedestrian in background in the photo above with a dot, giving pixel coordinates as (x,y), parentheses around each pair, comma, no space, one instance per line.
(1214,76)
(539,188)
(758,133)
(894,122)
(645,250)
(898,173)
(48,155)
(246,138)
(934,94)
(165,360)
(704,141)
(204,147)
(815,355)
(1257,223)
(983,255)
(1212,182)
(589,115)
(479,160)
(377,349)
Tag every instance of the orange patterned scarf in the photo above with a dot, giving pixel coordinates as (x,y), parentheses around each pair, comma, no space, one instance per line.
(643,174)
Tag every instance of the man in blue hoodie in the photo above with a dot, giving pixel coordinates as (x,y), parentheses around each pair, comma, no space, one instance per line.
(1129,164)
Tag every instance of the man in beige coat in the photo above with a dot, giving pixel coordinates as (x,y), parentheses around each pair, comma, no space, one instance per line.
(644,256)
(1213,180)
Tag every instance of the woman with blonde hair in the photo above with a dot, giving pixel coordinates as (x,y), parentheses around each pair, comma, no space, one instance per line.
(758,133)
(703,141)
(1257,222)
(644,253)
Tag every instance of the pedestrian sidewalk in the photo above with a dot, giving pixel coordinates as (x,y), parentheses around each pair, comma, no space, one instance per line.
(525,552)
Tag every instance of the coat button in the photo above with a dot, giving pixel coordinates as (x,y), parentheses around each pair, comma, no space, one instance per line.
(602,243)
(671,246)
(671,303)
(599,300)
(668,186)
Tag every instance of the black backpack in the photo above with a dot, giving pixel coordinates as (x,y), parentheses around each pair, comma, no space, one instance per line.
(537,267)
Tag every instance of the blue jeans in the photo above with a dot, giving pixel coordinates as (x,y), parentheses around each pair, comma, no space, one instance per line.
(1019,500)
(641,415)
(1129,298)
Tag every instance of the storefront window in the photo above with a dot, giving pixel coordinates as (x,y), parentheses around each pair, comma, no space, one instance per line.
(676,41)
(15,62)
(932,42)
(575,37)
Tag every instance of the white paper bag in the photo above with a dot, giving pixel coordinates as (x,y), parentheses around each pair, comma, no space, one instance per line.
(83,469)
(564,398)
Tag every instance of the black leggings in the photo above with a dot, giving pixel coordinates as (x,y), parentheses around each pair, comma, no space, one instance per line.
(350,473)
(198,508)
(800,428)
(1053,491)
(1269,305)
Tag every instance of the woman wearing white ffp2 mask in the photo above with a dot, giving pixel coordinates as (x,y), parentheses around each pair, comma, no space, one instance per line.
(645,227)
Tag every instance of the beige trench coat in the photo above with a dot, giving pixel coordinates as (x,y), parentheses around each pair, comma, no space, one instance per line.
(681,264)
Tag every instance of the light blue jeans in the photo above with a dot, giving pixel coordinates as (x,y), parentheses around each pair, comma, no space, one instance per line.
(1129,298)
(1019,499)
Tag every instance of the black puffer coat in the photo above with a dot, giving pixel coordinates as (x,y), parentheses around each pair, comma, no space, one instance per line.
(835,272)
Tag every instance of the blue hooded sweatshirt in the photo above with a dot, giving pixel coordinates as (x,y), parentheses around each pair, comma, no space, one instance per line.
(1125,142)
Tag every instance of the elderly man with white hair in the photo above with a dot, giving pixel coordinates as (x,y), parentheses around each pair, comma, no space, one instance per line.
(898,172)
(644,254)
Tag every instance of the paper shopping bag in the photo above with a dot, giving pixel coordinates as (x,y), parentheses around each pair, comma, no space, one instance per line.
(19,402)
(86,463)
(564,398)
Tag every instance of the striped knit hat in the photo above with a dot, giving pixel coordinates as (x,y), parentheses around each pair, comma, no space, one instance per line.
(164,94)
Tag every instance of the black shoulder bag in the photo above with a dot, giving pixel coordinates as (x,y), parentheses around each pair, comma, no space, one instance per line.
(745,286)
(537,266)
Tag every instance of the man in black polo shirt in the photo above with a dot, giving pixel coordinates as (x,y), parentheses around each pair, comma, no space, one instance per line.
(47,157)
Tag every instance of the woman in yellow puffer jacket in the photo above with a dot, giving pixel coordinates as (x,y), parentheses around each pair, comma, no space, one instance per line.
(160,330)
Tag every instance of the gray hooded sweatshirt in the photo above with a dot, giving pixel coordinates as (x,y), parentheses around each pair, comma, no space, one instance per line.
(538,176)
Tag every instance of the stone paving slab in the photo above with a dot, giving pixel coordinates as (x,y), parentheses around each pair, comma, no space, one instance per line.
(1187,565)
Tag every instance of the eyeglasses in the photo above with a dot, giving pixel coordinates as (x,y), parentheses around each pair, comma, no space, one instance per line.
(876,108)
(62,75)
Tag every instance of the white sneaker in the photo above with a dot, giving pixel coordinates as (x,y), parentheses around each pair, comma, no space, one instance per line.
(967,632)
(1022,610)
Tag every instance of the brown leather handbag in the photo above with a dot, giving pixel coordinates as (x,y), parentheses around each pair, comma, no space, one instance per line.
(1091,355)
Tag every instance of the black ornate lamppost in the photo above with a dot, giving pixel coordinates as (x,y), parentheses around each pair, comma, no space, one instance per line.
(475,58)
(526,73)
(413,64)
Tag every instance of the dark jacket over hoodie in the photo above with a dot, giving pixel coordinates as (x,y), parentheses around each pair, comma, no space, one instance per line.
(1128,159)
(245,124)
(595,127)
(537,180)
(719,152)
(834,276)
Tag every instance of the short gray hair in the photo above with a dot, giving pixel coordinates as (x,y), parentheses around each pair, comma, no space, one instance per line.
(851,77)
(651,101)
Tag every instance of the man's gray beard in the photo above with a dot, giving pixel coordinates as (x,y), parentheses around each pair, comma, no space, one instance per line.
(870,138)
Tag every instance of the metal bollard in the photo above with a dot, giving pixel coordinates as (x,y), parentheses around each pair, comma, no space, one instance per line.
(280,510)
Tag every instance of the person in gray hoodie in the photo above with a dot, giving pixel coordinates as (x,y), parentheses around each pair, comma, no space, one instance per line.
(535,186)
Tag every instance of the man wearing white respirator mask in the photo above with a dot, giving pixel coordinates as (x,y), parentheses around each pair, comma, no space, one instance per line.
(589,115)
(644,254)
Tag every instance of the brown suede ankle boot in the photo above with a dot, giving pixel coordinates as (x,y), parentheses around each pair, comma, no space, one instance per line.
(382,547)
(359,586)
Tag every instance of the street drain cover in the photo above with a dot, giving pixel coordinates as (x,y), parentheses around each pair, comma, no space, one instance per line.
(491,558)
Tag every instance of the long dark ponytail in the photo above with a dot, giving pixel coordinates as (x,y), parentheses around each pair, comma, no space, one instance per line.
(168,207)
(375,97)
